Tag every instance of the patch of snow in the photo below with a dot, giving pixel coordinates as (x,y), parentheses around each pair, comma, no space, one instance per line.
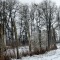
(23,49)
(51,55)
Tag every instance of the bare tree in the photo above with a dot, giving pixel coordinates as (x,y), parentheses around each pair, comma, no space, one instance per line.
(49,10)
(58,20)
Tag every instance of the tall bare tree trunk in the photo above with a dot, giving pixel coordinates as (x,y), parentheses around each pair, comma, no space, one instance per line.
(15,30)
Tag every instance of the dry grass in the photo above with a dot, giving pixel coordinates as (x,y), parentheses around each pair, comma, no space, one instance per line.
(2,57)
(34,52)
(51,47)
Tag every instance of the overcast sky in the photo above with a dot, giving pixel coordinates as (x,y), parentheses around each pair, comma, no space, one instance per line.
(38,1)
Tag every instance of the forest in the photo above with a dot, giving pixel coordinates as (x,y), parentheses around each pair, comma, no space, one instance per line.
(27,30)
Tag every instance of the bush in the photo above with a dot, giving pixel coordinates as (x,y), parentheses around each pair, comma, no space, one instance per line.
(25,53)
(7,58)
(42,51)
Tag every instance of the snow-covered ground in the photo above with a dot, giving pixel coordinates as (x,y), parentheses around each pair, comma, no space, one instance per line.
(51,55)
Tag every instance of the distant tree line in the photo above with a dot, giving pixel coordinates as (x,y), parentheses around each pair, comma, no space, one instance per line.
(20,21)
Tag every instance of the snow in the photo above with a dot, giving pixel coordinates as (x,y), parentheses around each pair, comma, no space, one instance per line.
(51,55)
(24,49)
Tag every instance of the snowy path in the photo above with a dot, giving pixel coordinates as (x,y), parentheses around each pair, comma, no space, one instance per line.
(51,55)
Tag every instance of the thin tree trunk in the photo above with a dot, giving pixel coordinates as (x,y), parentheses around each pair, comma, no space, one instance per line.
(15,30)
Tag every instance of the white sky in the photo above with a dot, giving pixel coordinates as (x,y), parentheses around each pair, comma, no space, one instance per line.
(38,1)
